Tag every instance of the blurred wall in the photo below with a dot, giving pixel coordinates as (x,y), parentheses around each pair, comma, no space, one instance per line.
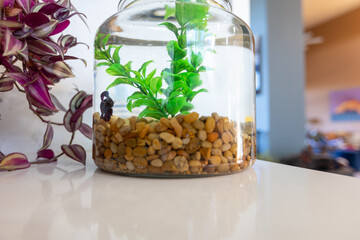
(280,104)
(333,65)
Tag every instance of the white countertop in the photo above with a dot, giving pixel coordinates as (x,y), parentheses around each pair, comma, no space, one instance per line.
(269,201)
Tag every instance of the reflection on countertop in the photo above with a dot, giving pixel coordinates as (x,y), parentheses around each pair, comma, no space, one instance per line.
(67,202)
(64,200)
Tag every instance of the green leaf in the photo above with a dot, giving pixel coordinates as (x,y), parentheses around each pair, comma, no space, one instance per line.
(193,80)
(190,98)
(169,12)
(175,104)
(187,107)
(149,77)
(105,40)
(144,102)
(144,66)
(119,81)
(155,84)
(174,51)
(182,40)
(137,74)
(116,69)
(103,64)
(192,13)
(128,68)
(174,94)
(196,59)
(181,65)
(116,56)
(99,55)
(136,95)
(171,27)
(129,105)
(169,77)
(148,112)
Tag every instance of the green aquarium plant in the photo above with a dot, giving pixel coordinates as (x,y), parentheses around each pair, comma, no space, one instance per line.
(182,77)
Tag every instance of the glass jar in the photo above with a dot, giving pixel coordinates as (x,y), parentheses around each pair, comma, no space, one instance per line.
(174,90)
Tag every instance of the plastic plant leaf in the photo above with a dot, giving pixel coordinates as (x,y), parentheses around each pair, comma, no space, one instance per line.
(171,27)
(116,56)
(175,104)
(119,81)
(155,84)
(116,69)
(144,102)
(14,161)
(143,67)
(48,136)
(86,130)
(174,51)
(151,113)
(169,12)
(75,152)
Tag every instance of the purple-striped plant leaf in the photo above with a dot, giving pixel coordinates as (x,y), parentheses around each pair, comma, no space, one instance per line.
(86,104)
(60,27)
(35,20)
(6,84)
(36,88)
(44,30)
(86,130)
(42,48)
(2,156)
(58,58)
(8,3)
(70,125)
(75,152)
(76,101)
(25,4)
(59,69)
(45,154)
(14,161)
(12,45)
(50,8)
(64,3)
(48,136)
(57,102)
(44,112)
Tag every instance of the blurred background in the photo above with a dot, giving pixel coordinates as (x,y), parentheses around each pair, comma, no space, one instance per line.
(308,91)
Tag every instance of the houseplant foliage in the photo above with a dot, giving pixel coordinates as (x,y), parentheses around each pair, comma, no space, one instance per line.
(32,61)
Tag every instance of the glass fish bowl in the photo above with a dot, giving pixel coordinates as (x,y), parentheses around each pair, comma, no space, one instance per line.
(174,92)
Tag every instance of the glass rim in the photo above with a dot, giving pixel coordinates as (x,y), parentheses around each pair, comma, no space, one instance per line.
(224,4)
